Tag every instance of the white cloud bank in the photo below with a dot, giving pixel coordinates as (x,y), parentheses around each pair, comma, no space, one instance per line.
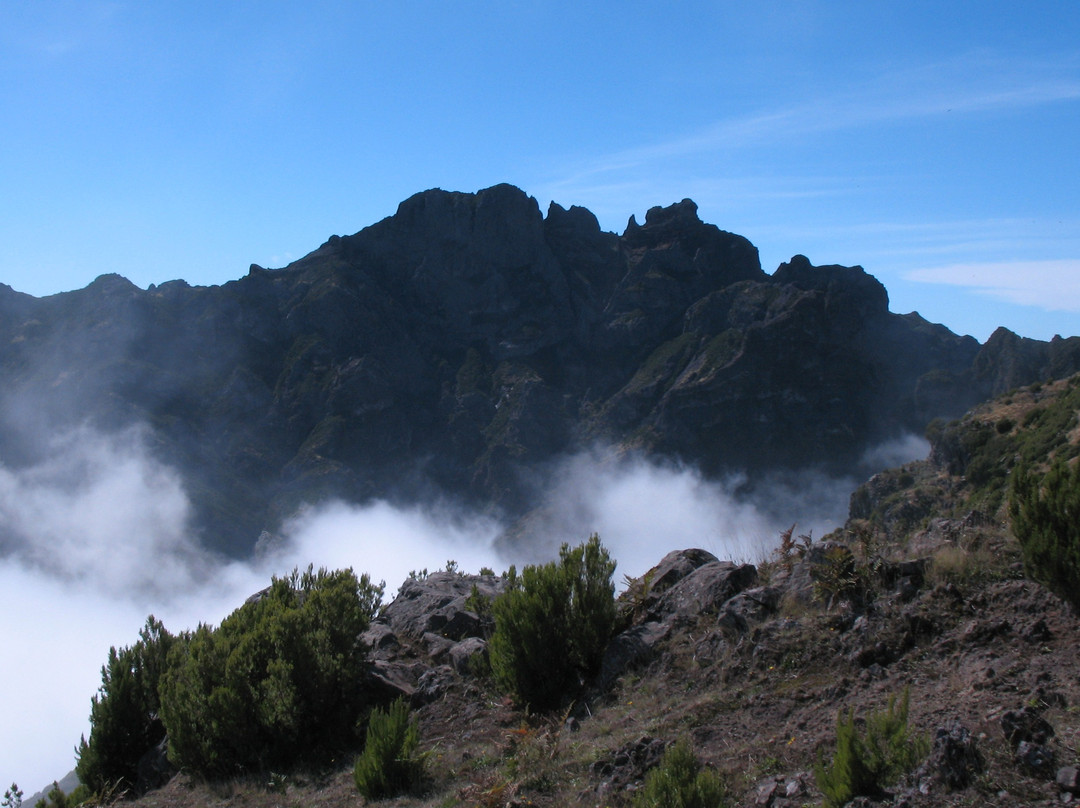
(1052,285)
(643,509)
(94,537)
(99,508)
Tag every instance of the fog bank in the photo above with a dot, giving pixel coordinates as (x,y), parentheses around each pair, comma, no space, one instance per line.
(95,536)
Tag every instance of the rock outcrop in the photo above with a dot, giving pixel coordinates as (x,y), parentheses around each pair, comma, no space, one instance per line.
(429,632)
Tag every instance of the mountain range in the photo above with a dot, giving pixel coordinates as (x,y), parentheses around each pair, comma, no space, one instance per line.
(460,346)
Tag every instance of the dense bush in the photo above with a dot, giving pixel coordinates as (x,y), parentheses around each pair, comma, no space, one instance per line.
(865,763)
(57,798)
(389,764)
(278,683)
(552,624)
(124,721)
(680,782)
(1045,511)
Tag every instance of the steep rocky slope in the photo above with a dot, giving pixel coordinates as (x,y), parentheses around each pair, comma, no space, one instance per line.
(454,347)
(922,591)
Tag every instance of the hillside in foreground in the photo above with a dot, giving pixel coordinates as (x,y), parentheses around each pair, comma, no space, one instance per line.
(924,591)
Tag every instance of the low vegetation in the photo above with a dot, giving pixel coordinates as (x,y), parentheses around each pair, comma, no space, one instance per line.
(680,781)
(279,682)
(866,762)
(124,713)
(552,625)
(1045,511)
(389,764)
(1026,427)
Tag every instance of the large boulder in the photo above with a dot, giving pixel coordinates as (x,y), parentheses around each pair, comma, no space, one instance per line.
(640,599)
(705,590)
(436,604)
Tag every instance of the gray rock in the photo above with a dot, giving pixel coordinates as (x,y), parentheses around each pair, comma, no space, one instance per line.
(433,684)
(954,758)
(436,605)
(380,638)
(632,647)
(705,590)
(462,654)
(621,770)
(387,680)
(766,791)
(782,791)
(437,647)
(753,605)
(675,566)
(1027,725)
(1068,779)
(1037,758)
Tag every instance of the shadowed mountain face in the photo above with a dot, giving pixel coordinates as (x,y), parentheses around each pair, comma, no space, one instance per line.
(455,347)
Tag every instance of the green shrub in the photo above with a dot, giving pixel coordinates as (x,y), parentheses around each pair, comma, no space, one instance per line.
(277,684)
(680,782)
(389,765)
(1045,511)
(477,603)
(864,764)
(552,624)
(124,722)
(57,798)
(12,797)
(839,577)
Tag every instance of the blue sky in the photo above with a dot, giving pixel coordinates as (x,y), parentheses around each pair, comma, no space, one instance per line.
(936,144)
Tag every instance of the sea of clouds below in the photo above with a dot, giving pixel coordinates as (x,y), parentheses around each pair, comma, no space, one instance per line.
(95,538)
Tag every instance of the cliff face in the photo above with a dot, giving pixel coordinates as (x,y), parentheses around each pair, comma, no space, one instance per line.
(467,338)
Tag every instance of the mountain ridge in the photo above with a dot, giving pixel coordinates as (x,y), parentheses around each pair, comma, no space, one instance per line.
(467,339)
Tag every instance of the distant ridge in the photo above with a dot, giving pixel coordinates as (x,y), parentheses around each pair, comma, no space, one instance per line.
(453,347)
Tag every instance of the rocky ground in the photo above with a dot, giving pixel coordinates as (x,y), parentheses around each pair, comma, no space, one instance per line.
(755,680)
(752,665)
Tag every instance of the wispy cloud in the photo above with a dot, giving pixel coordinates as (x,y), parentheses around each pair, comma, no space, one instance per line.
(1050,285)
(915,239)
(59,30)
(975,83)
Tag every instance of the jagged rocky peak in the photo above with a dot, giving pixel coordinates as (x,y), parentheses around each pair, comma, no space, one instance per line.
(834,280)
(681,213)
(577,220)
(679,216)
(1008,360)
(113,284)
(500,218)
(674,243)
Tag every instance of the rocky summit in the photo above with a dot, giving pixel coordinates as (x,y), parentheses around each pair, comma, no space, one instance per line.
(455,347)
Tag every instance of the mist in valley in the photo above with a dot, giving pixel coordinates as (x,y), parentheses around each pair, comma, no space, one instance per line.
(95,535)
